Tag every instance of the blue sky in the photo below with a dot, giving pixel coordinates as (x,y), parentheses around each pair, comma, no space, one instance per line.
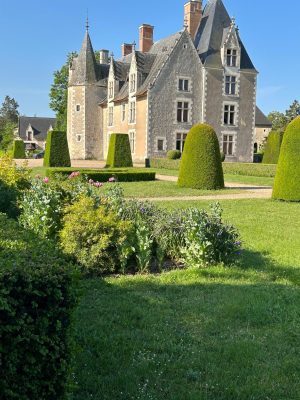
(37,35)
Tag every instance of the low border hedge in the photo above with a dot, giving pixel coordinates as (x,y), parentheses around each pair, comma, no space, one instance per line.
(103,175)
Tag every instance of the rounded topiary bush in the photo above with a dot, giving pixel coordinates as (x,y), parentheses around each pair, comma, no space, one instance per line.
(173,154)
(287,178)
(272,149)
(201,166)
(19,149)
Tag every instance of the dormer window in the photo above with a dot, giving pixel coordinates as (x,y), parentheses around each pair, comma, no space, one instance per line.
(29,135)
(132,83)
(231,57)
(110,90)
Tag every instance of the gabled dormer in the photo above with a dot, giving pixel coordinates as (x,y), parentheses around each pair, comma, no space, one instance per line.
(111,80)
(231,48)
(133,74)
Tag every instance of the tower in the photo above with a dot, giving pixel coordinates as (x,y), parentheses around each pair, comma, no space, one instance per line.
(84,94)
(192,16)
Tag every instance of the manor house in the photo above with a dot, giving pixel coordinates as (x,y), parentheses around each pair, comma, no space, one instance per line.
(155,93)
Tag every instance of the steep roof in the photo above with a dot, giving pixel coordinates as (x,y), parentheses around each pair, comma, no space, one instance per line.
(214,27)
(40,126)
(261,120)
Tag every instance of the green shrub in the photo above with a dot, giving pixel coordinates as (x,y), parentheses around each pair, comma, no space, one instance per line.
(250,169)
(126,175)
(36,300)
(94,236)
(119,152)
(222,156)
(173,155)
(287,179)
(201,166)
(272,148)
(164,163)
(57,150)
(18,149)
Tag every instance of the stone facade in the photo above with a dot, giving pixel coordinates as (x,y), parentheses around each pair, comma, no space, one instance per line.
(200,74)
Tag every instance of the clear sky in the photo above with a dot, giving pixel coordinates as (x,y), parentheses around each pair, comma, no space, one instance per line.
(36,36)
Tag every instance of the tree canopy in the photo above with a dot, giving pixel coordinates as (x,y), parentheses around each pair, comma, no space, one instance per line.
(9,115)
(281,120)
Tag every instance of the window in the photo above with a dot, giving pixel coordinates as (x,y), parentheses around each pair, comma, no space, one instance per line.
(180,141)
(229,114)
(78,107)
(132,83)
(183,85)
(110,90)
(29,135)
(228,143)
(110,116)
(132,141)
(132,112)
(78,138)
(230,84)
(160,144)
(123,112)
(182,111)
(231,57)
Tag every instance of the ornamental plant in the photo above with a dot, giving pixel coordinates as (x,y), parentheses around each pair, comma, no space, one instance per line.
(19,149)
(173,154)
(57,150)
(119,152)
(272,148)
(201,166)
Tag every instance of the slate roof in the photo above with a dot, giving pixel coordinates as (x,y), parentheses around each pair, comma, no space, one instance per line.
(40,126)
(214,27)
(261,120)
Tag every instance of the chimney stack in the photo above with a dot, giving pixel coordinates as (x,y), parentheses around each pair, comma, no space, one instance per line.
(146,37)
(104,58)
(127,48)
(192,16)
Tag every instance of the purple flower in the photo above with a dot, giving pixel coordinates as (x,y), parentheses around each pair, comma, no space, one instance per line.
(98,184)
(112,179)
(46,179)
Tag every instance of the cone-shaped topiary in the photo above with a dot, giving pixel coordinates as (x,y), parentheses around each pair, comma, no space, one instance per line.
(287,178)
(119,152)
(201,166)
(19,149)
(57,150)
(272,150)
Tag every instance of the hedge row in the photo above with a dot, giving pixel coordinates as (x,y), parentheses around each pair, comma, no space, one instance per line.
(36,301)
(250,169)
(121,175)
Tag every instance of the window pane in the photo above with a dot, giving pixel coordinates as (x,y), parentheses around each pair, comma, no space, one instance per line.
(178,145)
(160,144)
(186,85)
(180,84)
(179,115)
(185,115)
(230,148)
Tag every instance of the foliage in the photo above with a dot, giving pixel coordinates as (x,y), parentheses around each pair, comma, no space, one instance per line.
(287,179)
(272,148)
(279,120)
(119,152)
(36,300)
(6,135)
(248,169)
(121,175)
(57,150)
(293,111)
(222,156)
(19,149)
(93,236)
(201,166)
(173,155)
(9,110)
(164,163)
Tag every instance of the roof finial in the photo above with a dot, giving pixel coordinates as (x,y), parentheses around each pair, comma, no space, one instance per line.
(87,20)
(232,20)
(185,23)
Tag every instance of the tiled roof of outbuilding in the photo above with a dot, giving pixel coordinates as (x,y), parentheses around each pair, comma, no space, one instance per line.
(261,120)
(40,126)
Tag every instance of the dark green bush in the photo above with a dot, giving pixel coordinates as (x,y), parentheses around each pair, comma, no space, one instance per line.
(201,166)
(222,156)
(57,150)
(130,175)
(173,154)
(19,149)
(287,179)
(36,300)
(8,199)
(272,148)
(119,152)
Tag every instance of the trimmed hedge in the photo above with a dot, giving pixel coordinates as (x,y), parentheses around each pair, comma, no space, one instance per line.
(272,149)
(103,175)
(37,297)
(18,149)
(173,154)
(287,179)
(57,150)
(119,152)
(164,163)
(201,166)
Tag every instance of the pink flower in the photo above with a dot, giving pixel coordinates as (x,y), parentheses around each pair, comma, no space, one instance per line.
(98,184)
(112,179)
(46,179)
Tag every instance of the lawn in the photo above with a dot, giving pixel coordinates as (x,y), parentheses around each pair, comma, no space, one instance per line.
(211,334)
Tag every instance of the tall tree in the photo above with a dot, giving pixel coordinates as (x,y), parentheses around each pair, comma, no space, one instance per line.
(293,111)
(9,110)
(279,120)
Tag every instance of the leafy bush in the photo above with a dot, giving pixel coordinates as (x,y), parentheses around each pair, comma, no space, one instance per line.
(164,163)
(173,154)
(18,149)
(94,236)
(119,152)
(272,148)
(57,150)
(130,175)
(249,169)
(287,179)
(201,166)
(36,300)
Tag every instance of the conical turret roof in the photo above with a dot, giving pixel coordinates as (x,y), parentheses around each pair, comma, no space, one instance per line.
(85,71)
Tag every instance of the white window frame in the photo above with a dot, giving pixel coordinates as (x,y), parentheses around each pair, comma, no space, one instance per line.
(183,80)
(235,113)
(132,141)
(123,112)
(110,116)
(182,140)
(30,136)
(132,82)
(231,56)
(230,84)
(164,144)
(132,112)
(233,142)
(183,108)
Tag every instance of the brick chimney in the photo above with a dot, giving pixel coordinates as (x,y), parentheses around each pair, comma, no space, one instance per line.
(146,37)
(127,48)
(192,16)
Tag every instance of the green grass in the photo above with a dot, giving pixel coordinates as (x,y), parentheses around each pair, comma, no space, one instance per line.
(211,334)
